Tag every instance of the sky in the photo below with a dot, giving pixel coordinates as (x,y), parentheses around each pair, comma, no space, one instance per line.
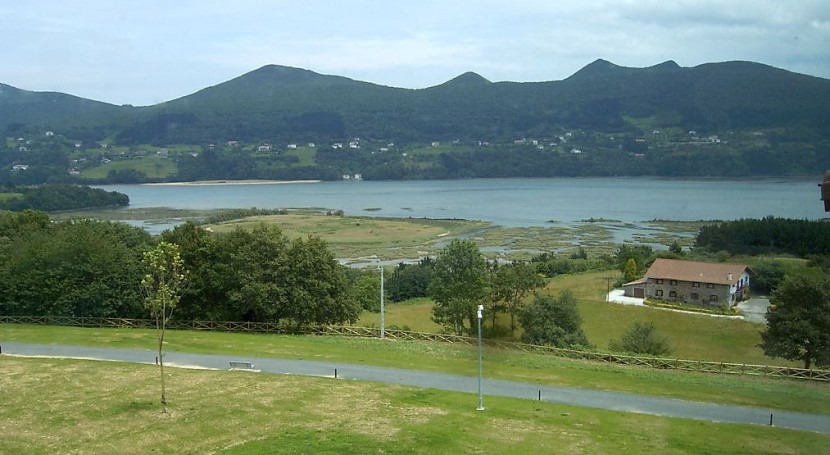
(150,51)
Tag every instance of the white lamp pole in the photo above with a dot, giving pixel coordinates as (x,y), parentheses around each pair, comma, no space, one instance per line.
(382,322)
(480,397)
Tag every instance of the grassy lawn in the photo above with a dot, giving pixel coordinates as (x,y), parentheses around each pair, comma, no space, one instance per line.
(462,360)
(692,336)
(413,315)
(8,196)
(153,166)
(73,406)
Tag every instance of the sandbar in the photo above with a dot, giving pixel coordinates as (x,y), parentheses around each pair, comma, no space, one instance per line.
(233,182)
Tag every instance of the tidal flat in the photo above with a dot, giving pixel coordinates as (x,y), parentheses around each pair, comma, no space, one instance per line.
(361,239)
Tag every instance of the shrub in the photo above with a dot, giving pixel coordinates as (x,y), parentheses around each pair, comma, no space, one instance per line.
(641,338)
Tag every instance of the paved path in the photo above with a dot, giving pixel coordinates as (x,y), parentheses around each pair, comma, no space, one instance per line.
(616,401)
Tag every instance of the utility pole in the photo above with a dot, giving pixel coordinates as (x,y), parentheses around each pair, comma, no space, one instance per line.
(382,322)
(480,396)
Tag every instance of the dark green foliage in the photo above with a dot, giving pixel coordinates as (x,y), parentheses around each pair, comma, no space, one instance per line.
(820,261)
(630,271)
(615,111)
(91,268)
(459,283)
(551,265)
(71,268)
(50,198)
(553,321)
(798,322)
(642,255)
(261,276)
(409,281)
(510,285)
(675,248)
(315,287)
(364,286)
(766,276)
(768,235)
(641,338)
(16,224)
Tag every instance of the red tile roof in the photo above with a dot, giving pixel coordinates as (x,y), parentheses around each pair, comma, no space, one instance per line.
(702,272)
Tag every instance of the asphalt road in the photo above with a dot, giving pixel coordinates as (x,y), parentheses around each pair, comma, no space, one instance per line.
(615,401)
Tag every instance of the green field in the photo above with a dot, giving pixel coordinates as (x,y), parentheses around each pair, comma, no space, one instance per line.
(74,406)
(7,196)
(502,363)
(153,166)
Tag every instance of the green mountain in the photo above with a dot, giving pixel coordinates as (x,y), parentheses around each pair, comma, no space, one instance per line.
(278,103)
(20,109)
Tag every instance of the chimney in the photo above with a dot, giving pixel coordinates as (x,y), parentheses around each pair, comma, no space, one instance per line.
(729,277)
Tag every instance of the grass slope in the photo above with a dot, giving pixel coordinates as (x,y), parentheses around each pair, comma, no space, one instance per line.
(461,360)
(73,406)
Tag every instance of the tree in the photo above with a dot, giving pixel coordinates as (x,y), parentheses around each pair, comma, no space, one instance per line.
(365,290)
(798,321)
(458,285)
(767,275)
(161,285)
(511,284)
(81,268)
(630,270)
(675,248)
(643,256)
(553,321)
(641,338)
(316,290)
(409,281)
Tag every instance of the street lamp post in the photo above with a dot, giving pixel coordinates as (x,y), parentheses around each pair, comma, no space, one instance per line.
(480,396)
(382,322)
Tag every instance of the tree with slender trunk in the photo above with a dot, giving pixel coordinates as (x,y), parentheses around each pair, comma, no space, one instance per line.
(162,283)
(798,321)
(511,284)
(459,283)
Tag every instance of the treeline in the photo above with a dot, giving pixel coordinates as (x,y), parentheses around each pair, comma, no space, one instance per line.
(94,269)
(769,235)
(585,154)
(57,197)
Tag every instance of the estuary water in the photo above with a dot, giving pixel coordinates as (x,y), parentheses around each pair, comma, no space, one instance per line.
(507,202)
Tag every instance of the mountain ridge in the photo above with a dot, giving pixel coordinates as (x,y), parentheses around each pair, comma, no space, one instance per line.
(277,102)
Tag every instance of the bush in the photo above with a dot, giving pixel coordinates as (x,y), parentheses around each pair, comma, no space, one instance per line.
(641,338)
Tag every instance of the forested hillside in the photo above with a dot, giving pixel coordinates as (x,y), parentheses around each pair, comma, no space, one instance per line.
(719,119)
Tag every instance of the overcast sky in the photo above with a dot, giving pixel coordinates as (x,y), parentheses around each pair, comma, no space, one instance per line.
(148,51)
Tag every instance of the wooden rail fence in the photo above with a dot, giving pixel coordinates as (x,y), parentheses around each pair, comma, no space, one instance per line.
(372,332)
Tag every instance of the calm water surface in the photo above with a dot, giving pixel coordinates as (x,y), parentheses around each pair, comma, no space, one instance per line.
(508,202)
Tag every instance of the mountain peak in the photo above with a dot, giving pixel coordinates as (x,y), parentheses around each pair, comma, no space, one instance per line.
(598,67)
(469,78)
(668,65)
(282,74)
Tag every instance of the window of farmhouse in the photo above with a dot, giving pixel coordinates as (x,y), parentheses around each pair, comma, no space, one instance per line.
(673,282)
(658,293)
(695,296)
(659,281)
(713,298)
(710,285)
(673,294)
(695,285)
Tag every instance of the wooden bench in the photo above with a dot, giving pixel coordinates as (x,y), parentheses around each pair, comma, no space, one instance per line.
(235,365)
